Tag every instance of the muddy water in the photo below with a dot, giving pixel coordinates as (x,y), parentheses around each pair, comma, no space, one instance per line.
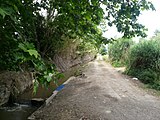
(23,108)
(16,111)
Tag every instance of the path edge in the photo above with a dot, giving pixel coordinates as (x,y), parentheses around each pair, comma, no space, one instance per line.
(49,99)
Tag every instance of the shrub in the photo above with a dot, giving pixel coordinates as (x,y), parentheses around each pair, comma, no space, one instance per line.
(144,62)
(118,51)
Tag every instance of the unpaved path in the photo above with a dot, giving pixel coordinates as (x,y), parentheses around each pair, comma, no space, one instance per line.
(104,94)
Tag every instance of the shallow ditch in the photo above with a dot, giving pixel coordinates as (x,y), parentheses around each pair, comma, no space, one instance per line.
(27,103)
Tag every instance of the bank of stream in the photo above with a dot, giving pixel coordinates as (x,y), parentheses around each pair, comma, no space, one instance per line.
(27,103)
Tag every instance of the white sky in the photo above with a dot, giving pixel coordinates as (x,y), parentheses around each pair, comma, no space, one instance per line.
(151,19)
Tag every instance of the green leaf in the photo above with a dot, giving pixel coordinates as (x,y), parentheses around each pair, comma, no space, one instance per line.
(36,84)
(33,53)
(29,45)
(15,7)
(48,77)
(110,24)
(152,6)
(3,12)
(22,46)
(6,11)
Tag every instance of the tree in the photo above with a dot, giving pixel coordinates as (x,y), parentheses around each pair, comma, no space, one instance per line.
(156,35)
(28,37)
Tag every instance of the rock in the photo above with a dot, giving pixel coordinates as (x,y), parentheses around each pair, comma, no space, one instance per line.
(37,101)
(68,57)
(31,117)
(13,84)
(4,94)
(135,78)
(21,81)
(108,111)
(5,87)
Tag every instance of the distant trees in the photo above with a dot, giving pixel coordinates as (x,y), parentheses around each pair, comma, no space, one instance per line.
(119,50)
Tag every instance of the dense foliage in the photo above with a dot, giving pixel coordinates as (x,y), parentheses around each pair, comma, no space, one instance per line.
(33,31)
(118,51)
(144,62)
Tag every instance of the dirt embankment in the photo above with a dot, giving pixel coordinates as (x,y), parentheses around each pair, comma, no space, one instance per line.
(13,83)
(102,94)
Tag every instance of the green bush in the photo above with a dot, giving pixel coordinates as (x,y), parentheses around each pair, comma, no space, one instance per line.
(144,62)
(118,51)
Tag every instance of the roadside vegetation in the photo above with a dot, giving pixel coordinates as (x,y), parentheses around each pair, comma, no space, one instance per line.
(118,52)
(142,60)
(33,31)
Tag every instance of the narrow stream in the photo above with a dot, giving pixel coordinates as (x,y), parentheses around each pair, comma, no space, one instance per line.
(17,111)
(24,107)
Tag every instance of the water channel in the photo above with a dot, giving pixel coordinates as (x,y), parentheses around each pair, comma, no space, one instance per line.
(23,107)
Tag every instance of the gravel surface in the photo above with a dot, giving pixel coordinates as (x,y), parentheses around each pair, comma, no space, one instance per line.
(101,93)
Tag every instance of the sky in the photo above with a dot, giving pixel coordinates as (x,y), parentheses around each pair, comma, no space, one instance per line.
(151,19)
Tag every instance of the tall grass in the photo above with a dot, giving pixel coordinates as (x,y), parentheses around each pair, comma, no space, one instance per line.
(118,52)
(144,62)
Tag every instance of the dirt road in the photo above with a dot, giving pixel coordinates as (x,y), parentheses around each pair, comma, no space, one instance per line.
(103,94)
